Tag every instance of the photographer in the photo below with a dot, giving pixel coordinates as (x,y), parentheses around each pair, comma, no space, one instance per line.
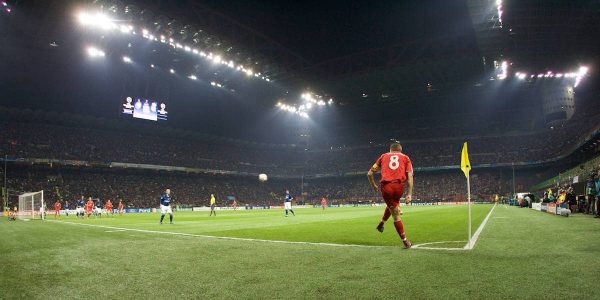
(590,192)
(572,199)
(597,195)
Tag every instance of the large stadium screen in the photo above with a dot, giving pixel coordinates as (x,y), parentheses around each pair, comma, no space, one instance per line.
(146,109)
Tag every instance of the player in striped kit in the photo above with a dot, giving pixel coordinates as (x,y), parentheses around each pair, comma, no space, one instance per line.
(165,206)
(287,203)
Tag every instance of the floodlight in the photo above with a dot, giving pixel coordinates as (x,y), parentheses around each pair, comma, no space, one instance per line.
(213,83)
(171,71)
(95,52)
(127,59)
(192,77)
(187,48)
(97,20)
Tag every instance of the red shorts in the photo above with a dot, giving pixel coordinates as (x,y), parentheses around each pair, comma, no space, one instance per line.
(392,192)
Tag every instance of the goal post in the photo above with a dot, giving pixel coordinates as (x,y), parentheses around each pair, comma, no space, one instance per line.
(32,206)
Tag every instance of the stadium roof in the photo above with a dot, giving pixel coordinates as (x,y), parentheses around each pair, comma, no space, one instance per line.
(362,54)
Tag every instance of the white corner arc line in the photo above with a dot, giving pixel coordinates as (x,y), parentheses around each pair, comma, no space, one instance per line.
(424,246)
(470,245)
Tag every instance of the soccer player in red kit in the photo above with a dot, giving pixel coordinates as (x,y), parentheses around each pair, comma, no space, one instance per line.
(57,207)
(396,171)
(109,208)
(120,207)
(323,203)
(89,205)
(234,205)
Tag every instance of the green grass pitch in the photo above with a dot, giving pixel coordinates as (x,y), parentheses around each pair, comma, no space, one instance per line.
(520,254)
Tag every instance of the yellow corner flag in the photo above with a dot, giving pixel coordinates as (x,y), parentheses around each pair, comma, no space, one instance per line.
(465,165)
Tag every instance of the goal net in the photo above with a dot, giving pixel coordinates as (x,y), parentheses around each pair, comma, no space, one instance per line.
(32,206)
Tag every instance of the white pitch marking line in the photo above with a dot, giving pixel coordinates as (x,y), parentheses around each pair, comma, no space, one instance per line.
(420,246)
(115,229)
(471,245)
(223,237)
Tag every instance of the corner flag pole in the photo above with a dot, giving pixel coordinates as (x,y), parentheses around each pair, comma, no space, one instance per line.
(469,204)
(465,166)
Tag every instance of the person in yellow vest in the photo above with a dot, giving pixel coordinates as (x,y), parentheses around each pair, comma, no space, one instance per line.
(213,202)
(562,195)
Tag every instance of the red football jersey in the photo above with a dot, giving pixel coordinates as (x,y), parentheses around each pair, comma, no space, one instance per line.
(393,166)
(57,206)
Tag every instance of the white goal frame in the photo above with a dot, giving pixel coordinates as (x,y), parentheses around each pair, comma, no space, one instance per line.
(32,205)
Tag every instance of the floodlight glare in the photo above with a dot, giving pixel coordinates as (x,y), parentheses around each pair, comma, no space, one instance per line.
(126,29)
(97,20)
(95,52)
(192,77)
(171,71)
(213,83)
(127,59)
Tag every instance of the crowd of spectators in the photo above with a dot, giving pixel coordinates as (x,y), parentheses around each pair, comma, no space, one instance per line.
(143,188)
(46,138)
(37,140)
(43,138)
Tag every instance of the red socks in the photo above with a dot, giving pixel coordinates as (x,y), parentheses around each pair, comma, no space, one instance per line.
(400,229)
(386,214)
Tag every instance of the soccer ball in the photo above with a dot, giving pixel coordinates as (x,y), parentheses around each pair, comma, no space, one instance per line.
(262,177)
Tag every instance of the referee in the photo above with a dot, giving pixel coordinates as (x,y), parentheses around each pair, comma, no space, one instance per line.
(213,201)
